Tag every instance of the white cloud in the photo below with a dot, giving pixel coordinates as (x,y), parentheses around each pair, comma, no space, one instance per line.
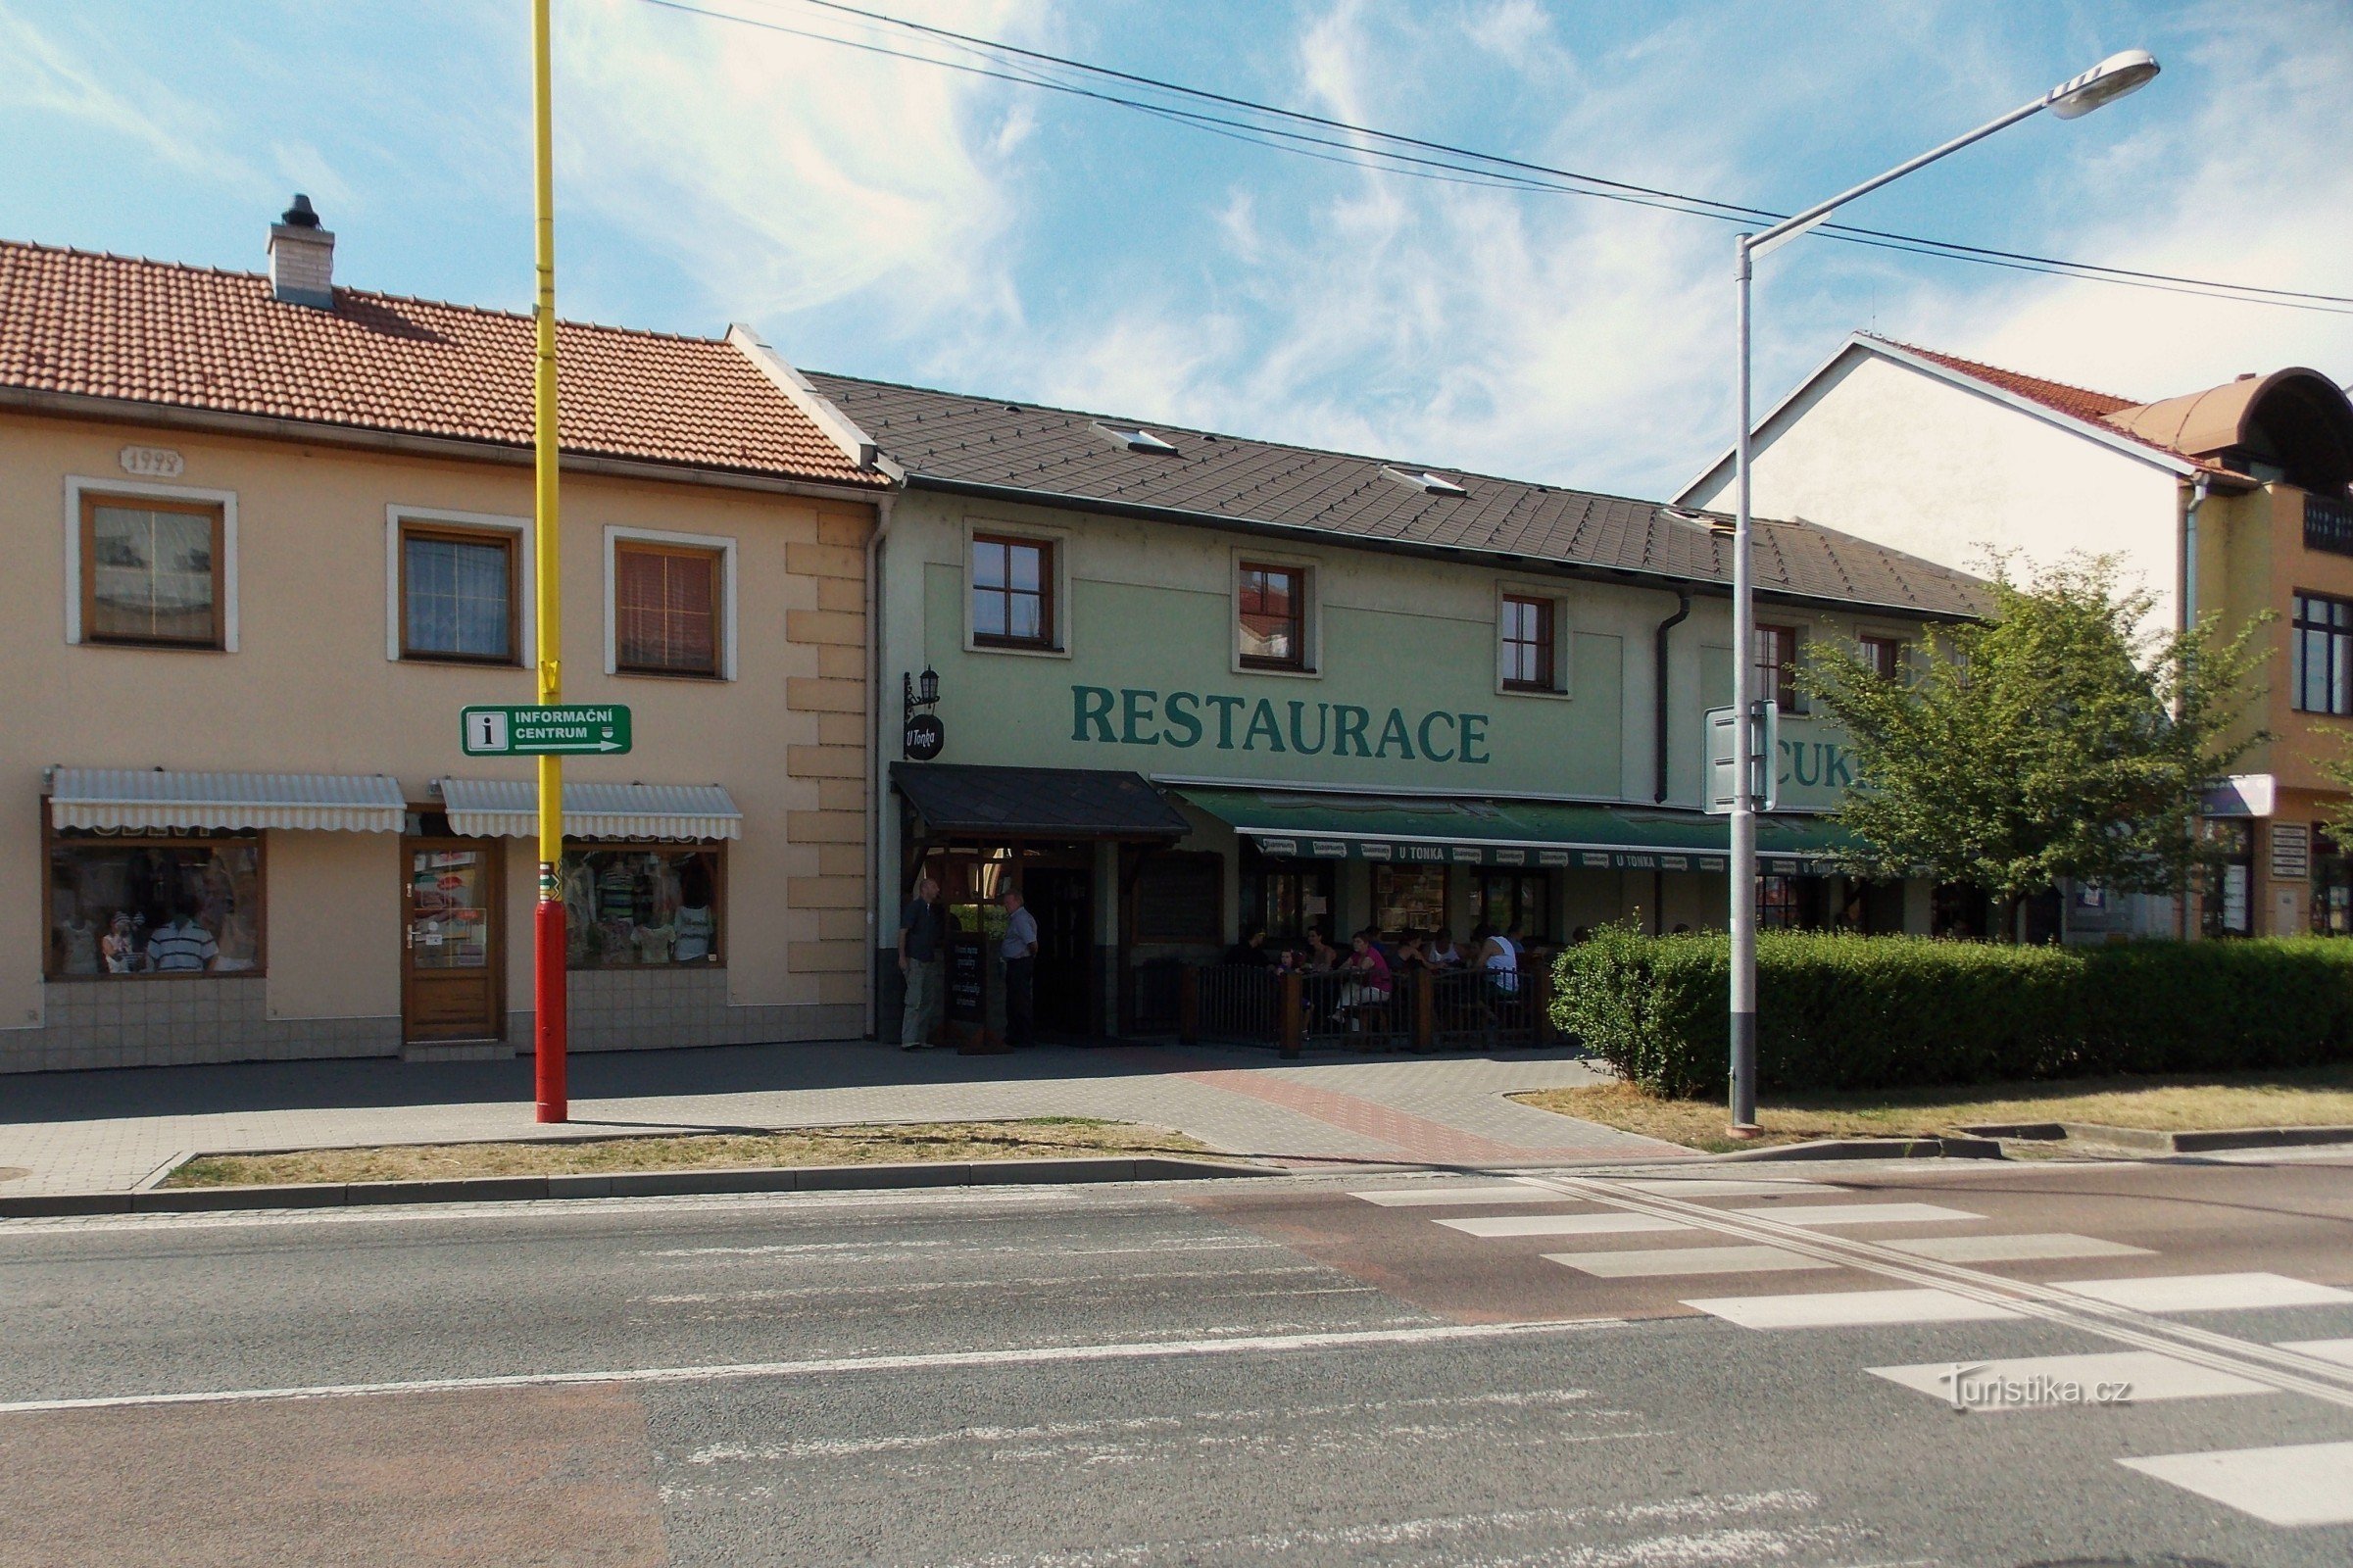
(781,173)
(2255,186)
(46,77)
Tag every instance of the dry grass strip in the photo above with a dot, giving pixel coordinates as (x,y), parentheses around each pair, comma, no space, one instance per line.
(1031,1138)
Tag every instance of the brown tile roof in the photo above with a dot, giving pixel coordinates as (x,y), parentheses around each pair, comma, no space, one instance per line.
(2092,408)
(121,327)
(945,440)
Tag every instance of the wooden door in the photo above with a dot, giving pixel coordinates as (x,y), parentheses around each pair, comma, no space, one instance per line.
(1062,902)
(452,939)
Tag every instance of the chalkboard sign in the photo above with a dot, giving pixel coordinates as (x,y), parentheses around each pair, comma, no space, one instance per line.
(967,979)
(1180,898)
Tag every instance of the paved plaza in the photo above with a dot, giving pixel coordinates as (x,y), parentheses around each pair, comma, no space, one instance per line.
(113,1130)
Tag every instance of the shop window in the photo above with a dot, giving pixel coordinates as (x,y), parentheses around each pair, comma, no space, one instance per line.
(1777,908)
(140,904)
(151,572)
(1410,898)
(2229,906)
(457,594)
(1287,898)
(639,907)
(666,609)
(1012,592)
(1503,900)
(1528,658)
(2322,680)
(2332,887)
(1777,666)
(1273,616)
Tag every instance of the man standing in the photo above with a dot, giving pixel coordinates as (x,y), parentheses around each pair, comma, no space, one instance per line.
(922,931)
(1020,951)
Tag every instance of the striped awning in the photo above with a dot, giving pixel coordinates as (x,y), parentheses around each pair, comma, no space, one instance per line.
(508,808)
(133,799)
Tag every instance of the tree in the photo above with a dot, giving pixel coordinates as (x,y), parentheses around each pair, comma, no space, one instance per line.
(2053,739)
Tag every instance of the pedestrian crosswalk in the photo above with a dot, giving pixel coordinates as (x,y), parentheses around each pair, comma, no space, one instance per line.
(1678,1229)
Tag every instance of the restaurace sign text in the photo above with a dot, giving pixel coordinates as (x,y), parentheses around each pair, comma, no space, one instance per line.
(1140,717)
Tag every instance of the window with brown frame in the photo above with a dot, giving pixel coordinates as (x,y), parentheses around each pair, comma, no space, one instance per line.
(1274,616)
(151,572)
(1884,655)
(1526,632)
(666,609)
(135,905)
(1012,591)
(1777,666)
(457,594)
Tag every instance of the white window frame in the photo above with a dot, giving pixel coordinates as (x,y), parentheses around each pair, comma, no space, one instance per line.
(721,544)
(1311,619)
(525,583)
(1057,540)
(1564,681)
(78,485)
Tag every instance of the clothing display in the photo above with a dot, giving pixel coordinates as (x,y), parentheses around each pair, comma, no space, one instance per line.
(654,944)
(79,939)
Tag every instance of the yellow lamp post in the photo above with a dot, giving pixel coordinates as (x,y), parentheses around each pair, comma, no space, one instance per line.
(548,923)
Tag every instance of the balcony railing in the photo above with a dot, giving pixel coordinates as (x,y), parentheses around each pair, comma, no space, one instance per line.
(2328,524)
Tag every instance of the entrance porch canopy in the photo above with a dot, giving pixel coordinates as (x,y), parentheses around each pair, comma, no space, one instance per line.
(966,800)
(1556,834)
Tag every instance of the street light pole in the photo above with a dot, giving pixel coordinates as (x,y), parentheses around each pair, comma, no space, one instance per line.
(2112,79)
(548,933)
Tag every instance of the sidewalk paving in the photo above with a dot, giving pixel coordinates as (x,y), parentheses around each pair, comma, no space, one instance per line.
(111,1131)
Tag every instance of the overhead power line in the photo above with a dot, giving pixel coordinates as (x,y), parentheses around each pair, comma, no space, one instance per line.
(1334,140)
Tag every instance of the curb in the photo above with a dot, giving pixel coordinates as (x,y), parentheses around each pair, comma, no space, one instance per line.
(2142,1140)
(1875,1148)
(643,1184)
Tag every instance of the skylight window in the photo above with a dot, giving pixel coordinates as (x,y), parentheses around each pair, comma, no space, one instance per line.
(1138,440)
(1431,484)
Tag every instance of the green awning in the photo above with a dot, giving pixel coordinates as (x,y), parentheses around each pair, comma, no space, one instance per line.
(1314,825)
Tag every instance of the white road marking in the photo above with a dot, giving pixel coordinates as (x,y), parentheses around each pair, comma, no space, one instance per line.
(1717,1187)
(1652,1263)
(2287,1369)
(2206,1292)
(2014,1249)
(835,1366)
(2338,1351)
(1437,1196)
(2303,1484)
(1838,1309)
(1562,1224)
(2043,1382)
(1855,1213)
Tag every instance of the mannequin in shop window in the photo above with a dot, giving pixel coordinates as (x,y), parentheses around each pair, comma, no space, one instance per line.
(695,923)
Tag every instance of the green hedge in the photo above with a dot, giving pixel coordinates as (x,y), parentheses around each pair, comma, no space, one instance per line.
(1873,1013)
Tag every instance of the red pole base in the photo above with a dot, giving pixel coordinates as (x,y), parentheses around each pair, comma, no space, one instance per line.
(548,1035)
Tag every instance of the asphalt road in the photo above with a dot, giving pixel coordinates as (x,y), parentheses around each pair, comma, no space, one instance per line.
(1469,1369)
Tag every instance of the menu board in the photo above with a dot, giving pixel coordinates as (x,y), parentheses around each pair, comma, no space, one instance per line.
(967,978)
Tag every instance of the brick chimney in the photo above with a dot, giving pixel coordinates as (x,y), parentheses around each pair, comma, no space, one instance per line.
(302,258)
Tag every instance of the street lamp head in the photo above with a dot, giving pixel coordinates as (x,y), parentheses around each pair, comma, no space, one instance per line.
(2104,84)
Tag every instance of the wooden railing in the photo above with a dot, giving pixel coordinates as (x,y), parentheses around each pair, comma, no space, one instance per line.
(1458,1009)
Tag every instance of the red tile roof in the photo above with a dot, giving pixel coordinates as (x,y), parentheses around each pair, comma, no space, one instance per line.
(89,325)
(2092,408)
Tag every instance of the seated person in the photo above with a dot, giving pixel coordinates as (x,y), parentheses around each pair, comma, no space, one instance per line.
(1251,951)
(1441,953)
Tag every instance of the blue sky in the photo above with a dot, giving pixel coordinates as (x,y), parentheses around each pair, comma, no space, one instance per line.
(885,219)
